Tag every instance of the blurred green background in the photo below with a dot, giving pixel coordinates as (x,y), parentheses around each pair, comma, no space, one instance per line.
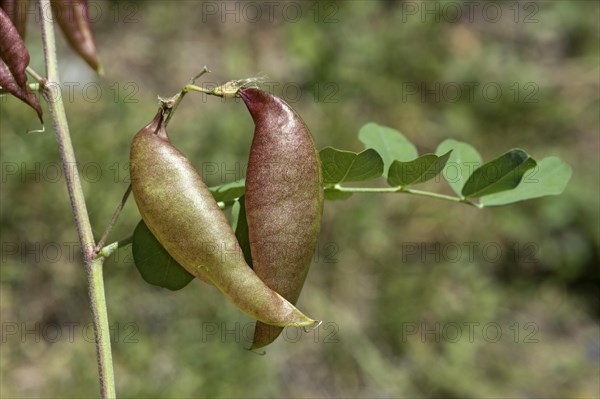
(419,298)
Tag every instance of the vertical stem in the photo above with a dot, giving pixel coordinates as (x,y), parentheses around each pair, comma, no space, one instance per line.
(51,93)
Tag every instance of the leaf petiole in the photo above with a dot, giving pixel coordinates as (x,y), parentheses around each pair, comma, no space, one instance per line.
(405,191)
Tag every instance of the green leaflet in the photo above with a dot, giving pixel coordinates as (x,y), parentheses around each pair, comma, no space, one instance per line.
(424,168)
(346,166)
(154,263)
(549,177)
(501,174)
(229,191)
(389,143)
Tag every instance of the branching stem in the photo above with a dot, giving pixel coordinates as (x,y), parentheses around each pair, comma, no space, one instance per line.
(93,266)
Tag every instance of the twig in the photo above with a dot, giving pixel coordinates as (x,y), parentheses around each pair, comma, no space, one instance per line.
(113,220)
(112,248)
(176,99)
(35,75)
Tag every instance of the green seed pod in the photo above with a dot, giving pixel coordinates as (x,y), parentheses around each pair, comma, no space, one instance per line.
(284,199)
(182,214)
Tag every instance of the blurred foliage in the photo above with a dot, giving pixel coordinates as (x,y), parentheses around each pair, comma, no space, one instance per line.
(379,282)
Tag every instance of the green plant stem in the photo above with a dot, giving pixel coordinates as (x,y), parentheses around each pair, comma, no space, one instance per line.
(401,190)
(51,92)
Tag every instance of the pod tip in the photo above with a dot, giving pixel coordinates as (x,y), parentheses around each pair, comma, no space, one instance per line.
(312,326)
(99,70)
(253,348)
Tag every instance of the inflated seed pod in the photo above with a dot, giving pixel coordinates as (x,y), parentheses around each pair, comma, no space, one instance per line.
(284,199)
(182,214)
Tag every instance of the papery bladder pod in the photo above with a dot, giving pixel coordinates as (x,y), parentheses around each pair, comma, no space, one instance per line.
(284,199)
(180,211)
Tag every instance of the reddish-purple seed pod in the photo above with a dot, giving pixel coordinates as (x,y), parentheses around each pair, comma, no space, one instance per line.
(14,59)
(284,199)
(182,214)
(72,17)
(17,12)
